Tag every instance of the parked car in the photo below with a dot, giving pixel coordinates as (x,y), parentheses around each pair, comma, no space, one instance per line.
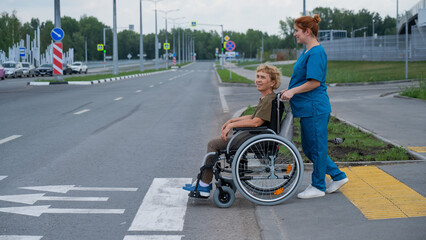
(45,69)
(29,70)
(79,67)
(66,69)
(2,72)
(13,69)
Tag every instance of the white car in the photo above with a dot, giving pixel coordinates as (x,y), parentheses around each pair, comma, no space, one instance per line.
(79,67)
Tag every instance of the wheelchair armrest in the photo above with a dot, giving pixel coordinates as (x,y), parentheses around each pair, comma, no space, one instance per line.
(251,129)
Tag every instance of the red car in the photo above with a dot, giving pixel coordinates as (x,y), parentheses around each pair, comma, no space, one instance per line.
(1,72)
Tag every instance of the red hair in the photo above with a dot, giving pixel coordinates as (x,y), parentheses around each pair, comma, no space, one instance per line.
(306,22)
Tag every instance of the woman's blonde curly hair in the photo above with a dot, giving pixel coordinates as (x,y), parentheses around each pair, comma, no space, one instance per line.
(273,72)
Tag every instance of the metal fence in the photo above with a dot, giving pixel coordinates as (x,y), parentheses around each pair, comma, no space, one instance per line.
(379,48)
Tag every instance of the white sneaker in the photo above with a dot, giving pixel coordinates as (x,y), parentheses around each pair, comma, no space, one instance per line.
(311,192)
(335,185)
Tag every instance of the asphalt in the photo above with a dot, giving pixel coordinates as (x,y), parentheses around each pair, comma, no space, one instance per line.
(379,110)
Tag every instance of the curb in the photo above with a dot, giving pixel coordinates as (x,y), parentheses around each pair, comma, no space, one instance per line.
(97,81)
(370,83)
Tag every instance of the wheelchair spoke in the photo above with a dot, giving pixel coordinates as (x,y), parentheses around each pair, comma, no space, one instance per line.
(267,170)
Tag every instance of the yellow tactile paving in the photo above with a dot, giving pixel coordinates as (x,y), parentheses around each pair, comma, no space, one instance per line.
(418,149)
(378,195)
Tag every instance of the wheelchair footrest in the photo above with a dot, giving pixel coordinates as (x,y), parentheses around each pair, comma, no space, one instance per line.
(196,194)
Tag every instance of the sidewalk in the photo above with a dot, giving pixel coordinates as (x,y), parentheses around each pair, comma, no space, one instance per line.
(379,202)
(371,108)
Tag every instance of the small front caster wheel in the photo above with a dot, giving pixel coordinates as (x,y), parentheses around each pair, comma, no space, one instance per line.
(224,199)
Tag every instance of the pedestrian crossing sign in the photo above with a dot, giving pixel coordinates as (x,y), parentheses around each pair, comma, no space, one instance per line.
(100,47)
(193,24)
(166,46)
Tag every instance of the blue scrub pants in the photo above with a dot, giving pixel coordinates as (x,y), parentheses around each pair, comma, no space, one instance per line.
(315,147)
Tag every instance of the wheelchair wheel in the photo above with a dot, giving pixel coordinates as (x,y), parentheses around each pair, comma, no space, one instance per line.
(224,199)
(267,169)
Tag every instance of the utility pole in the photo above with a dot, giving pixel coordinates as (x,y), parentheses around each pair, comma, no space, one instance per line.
(115,44)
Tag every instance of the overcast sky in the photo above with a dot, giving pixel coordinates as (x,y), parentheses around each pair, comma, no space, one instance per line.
(235,15)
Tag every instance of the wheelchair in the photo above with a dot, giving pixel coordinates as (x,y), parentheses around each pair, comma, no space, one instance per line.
(261,163)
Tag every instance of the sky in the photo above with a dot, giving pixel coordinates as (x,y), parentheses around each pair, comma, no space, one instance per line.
(234,15)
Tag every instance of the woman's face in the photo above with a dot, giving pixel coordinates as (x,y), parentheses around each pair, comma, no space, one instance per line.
(263,82)
(300,34)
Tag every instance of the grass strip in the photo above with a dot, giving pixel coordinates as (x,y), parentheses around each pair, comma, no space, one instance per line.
(357,147)
(231,77)
(416,91)
(99,76)
(359,71)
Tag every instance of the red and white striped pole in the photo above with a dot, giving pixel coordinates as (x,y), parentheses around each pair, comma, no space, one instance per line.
(57,58)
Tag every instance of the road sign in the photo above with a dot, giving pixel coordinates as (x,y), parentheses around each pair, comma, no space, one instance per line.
(100,47)
(227,38)
(166,46)
(22,52)
(57,58)
(193,24)
(57,34)
(230,46)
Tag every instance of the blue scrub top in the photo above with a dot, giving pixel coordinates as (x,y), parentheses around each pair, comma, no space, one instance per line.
(310,65)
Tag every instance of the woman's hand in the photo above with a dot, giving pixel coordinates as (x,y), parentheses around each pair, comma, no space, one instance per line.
(286,94)
(225,131)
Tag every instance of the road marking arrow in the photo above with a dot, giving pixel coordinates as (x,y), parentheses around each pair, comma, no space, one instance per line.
(33,198)
(66,188)
(37,211)
(19,237)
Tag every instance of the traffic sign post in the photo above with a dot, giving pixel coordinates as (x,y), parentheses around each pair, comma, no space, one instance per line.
(57,58)
(22,52)
(230,46)
(57,34)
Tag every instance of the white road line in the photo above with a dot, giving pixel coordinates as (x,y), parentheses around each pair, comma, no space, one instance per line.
(13,137)
(19,237)
(118,99)
(2,177)
(82,111)
(164,206)
(138,91)
(153,237)
(223,101)
(151,86)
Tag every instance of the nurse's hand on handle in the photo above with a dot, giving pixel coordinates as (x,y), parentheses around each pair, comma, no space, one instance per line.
(286,94)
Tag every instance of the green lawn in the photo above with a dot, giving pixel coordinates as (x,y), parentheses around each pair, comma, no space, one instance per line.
(234,78)
(357,147)
(354,71)
(416,91)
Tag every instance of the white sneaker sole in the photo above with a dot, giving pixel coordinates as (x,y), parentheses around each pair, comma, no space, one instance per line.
(336,185)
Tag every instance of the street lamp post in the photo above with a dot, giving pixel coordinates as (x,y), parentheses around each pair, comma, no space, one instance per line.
(115,44)
(167,51)
(156,35)
(141,68)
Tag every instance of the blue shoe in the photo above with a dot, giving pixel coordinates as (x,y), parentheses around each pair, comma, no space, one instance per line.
(204,191)
(195,182)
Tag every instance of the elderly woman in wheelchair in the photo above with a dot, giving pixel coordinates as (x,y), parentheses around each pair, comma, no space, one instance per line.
(262,163)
